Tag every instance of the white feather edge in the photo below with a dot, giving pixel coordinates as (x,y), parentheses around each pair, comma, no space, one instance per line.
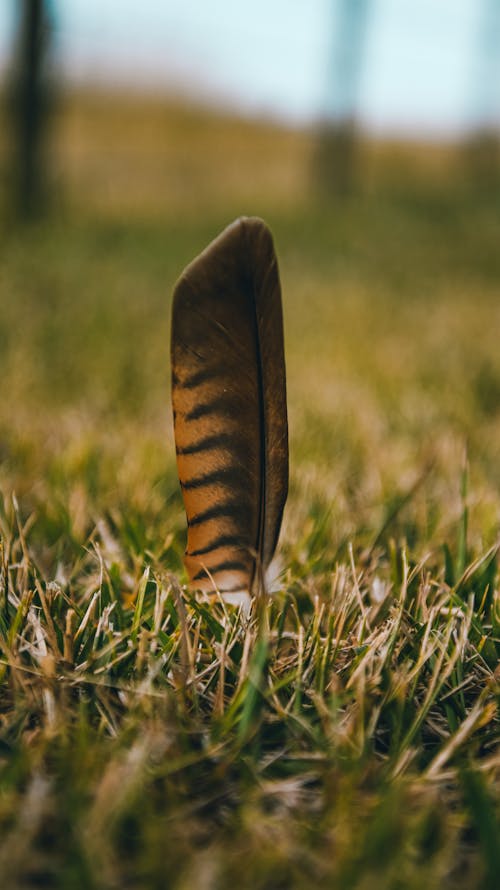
(243,599)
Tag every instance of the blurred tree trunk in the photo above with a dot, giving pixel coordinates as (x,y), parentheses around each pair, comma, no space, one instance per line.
(29,99)
(335,160)
(482,150)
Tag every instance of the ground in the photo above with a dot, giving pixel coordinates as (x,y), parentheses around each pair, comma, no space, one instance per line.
(346,733)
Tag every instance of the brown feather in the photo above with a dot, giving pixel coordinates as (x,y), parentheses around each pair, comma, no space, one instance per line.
(229,403)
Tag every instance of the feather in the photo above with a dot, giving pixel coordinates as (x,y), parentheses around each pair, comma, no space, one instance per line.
(229,405)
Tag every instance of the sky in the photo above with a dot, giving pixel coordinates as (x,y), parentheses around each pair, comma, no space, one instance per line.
(427,66)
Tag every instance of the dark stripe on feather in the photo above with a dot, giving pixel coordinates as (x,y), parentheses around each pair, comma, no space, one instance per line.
(209,443)
(219,541)
(221,406)
(204,375)
(232,509)
(230,565)
(231,476)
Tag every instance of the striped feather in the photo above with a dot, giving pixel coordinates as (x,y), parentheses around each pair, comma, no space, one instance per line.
(229,404)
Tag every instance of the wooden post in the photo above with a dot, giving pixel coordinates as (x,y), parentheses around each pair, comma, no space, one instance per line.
(335,160)
(29,107)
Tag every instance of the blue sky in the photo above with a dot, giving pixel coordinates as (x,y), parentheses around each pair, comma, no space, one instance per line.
(421,73)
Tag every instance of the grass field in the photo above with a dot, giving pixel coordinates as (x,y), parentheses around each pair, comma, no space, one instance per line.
(346,735)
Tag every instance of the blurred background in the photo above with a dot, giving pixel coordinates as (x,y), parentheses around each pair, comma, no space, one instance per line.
(366,132)
(337,73)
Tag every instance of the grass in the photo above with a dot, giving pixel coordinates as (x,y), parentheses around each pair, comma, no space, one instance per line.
(345,734)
